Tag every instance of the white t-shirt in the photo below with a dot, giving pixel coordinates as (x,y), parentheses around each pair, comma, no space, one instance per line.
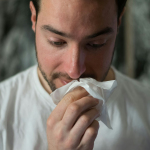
(25,107)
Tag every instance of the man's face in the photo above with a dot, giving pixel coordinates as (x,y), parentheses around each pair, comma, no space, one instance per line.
(74,39)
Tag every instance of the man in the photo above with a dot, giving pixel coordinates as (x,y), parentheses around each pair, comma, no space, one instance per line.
(74,39)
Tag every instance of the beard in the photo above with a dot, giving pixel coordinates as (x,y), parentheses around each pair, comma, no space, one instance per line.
(50,81)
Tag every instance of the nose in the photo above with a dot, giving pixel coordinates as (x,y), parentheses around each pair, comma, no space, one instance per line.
(75,62)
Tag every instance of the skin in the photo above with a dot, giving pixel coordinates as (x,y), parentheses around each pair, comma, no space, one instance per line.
(74,39)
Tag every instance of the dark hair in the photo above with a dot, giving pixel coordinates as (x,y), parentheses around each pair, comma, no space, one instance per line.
(120,3)
(36,4)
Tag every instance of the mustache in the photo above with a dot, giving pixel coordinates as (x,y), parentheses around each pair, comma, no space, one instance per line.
(60,74)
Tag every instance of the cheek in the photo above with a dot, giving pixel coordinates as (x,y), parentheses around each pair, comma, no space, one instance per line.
(101,58)
(100,61)
(47,56)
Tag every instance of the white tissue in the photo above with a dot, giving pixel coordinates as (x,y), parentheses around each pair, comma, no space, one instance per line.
(99,90)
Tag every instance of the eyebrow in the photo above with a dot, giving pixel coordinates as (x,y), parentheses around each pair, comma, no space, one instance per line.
(51,29)
(107,30)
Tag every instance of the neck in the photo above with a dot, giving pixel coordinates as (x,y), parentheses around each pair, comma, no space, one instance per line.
(44,82)
(110,75)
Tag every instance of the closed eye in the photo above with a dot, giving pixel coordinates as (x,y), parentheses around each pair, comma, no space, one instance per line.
(57,44)
(96,46)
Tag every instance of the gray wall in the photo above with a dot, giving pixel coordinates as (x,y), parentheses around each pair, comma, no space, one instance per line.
(16,37)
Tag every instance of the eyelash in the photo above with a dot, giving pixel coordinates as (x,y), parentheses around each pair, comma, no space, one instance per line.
(61,44)
(56,44)
(96,46)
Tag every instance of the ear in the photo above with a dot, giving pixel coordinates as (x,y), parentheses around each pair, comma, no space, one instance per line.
(120,18)
(33,15)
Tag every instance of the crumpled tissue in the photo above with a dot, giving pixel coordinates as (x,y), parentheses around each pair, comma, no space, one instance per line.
(99,90)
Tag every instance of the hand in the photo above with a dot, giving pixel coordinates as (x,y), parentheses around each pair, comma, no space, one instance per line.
(72,124)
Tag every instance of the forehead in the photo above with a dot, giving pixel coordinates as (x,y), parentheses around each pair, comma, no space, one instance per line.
(78,14)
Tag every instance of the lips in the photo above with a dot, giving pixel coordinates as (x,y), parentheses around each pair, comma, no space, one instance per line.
(65,81)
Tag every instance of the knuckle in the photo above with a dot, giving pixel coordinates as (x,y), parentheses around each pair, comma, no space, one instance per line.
(70,97)
(80,88)
(92,132)
(74,107)
(84,119)
(50,122)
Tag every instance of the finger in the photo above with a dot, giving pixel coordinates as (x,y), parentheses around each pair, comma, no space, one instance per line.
(74,95)
(84,121)
(90,135)
(75,110)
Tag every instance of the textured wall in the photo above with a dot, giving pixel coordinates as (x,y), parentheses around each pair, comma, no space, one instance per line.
(141,23)
(17,39)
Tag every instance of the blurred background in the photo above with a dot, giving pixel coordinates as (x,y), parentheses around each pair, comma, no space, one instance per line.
(132,55)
